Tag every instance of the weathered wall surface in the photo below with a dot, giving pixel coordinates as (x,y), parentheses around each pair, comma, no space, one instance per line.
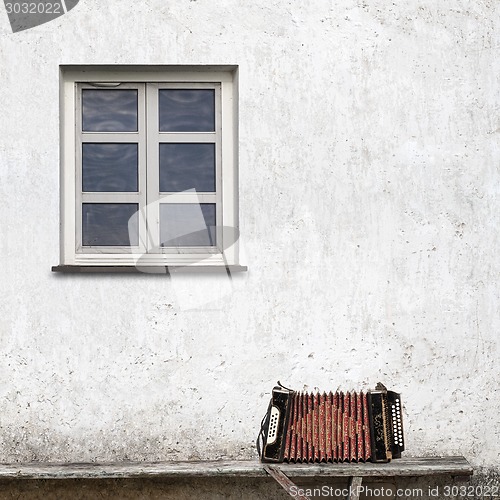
(369,188)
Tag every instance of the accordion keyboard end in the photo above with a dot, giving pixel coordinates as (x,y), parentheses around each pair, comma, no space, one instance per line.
(273,449)
(273,425)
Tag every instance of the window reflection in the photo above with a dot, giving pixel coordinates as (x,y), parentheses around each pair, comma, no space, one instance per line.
(109,167)
(106,224)
(187,224)
(109,110)
(187,110)
(187,166)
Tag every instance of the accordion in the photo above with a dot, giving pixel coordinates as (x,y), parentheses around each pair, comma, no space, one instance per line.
(341,427)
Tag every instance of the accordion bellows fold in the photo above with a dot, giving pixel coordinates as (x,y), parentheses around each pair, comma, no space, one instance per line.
(332,427)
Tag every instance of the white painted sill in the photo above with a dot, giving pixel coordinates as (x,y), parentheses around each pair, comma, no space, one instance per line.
(167,270)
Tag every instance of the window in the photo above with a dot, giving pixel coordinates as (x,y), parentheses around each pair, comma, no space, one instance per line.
(148,167)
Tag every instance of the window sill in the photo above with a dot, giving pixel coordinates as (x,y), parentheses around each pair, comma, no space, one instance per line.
(147,269)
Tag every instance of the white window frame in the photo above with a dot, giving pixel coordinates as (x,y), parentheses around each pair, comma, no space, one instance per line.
(149,79)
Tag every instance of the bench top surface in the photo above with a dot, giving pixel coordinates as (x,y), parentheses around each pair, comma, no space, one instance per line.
(456,466)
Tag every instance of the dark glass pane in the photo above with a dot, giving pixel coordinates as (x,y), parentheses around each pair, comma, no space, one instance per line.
(109,110)
(106,224)
(187,224)
(187,110)
(109,167)
(187,166)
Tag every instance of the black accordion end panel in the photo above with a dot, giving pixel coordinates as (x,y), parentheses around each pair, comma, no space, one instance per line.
(302,427)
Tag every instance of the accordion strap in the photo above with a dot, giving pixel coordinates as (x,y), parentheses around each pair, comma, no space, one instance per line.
(260,437)
(283,387)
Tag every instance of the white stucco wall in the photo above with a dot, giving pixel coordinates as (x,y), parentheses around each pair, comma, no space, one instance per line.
(369,187)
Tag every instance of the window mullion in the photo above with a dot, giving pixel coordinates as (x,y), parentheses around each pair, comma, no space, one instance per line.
(116,137)
(152,168)
(188,137)
(142,167)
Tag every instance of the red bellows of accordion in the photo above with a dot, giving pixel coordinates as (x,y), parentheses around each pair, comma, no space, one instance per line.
(328,428)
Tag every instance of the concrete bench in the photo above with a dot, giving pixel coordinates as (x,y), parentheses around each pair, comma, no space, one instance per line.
(431,466)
